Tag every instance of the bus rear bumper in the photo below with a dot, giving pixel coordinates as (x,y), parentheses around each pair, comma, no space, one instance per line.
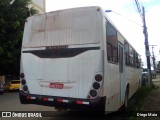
(63,102)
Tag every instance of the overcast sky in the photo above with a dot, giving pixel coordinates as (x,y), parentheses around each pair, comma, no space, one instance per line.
(125,16)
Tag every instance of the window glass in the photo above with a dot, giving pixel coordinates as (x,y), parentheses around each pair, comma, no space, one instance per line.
(115,54)
(109,52)
(139,61)
(126,49)
(130,51)
(111,35)
(131,55)
(136,62)
(110,30)
(120,59)
(112,43)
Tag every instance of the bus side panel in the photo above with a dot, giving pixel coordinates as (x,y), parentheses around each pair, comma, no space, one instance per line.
(113,87)
(133,75)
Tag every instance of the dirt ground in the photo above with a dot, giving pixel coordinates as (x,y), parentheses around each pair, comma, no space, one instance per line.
(151,103)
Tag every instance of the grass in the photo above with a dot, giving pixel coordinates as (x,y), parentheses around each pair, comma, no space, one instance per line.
(155,86)
(138,100)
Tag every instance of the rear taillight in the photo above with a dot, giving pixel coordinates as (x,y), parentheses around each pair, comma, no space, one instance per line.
(31,97)
(96,86)
(23,81)
(47,99)
(98,77)
(93,93)
(24,86)
(62,100)
(82,102)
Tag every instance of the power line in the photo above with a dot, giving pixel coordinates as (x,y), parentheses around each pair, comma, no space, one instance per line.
(125,17)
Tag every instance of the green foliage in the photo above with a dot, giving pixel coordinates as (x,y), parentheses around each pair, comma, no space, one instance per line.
(13,14)
(140,96)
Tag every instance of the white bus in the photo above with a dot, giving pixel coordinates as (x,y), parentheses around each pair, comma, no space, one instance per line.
(77,59)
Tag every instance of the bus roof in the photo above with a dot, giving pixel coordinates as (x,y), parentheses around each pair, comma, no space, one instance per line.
(64,27)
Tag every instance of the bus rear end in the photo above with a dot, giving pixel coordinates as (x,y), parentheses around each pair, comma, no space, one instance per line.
(62,59)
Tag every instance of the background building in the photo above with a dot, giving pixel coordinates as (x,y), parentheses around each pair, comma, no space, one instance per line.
(40,5)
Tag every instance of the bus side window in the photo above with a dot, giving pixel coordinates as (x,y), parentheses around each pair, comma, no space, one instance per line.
(136,60)
(139,62)
(127,57)
(109,52)
(112,43)
(115,54)
(131,55)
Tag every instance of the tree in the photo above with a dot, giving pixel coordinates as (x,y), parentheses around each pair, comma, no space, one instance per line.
(13,14)
(158,66)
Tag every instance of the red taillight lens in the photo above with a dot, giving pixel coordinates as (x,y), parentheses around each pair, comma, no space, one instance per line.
(59,100)
(45,99)
(98,77)
(28,97)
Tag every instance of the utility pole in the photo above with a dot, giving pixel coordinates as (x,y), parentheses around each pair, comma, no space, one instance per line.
(142,14)
(147,47)
(153,57)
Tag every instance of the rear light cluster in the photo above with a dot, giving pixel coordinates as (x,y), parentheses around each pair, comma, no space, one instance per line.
(48,99)
(82,102)
(31,98)
(23,83)
(59,100)
(96,86)
(62,100)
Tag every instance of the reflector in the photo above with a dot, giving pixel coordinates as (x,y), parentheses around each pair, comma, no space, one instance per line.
(45,99)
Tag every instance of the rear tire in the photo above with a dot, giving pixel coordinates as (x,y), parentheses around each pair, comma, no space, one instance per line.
(22,100)
(125,105)
(126,101)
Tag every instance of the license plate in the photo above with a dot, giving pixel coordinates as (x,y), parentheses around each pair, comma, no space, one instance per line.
(56,85)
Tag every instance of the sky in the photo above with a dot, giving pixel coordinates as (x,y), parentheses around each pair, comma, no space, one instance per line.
(126,18)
